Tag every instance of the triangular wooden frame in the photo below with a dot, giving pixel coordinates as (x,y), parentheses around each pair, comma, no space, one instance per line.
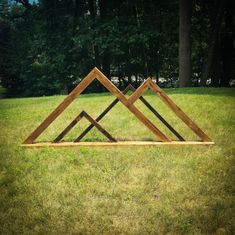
(76,120)
(129,104)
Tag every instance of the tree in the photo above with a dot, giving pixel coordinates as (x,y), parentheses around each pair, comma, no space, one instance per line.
(47,47)
(227,45)
(185,13)
(216,18)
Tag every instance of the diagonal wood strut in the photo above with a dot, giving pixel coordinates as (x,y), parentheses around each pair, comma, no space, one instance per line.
(148,105)
(138,94)
(176,109)
(128,88)
(76,120)
(156,89)
(61,107)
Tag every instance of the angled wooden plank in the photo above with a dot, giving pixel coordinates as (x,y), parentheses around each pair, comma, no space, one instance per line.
(76,120)
(192,125)
(158,115)
(68,128)
(102,114)
(139,91)
(139,94)
(99,127)
(116,92)
(121,143)
(61,107)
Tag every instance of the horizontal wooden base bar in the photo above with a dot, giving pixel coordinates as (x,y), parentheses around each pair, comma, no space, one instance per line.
(120,143)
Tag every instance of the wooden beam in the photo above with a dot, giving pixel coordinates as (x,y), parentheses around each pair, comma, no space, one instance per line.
(102,114)
(99,127)
(119,143)
(192,125)
(139,91)
(61,107)
(68,128)
(158,115)
(76,120)
(156,89)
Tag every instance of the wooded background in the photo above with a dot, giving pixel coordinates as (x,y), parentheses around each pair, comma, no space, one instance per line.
(48,46)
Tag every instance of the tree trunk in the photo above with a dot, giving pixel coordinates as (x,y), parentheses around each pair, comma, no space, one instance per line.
(185,67)
(216,67)
(128,65)
(216,21)
(106,63)
(104,5)
(227,52)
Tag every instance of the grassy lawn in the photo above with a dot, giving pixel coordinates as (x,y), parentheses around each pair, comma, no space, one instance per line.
(119,190)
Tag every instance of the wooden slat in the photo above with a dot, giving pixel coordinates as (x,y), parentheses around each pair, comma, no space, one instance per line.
(99,127)
(61,107)
(68,128)
(116,92)
(138,95)
(76,120)
(139,91)
(102,114)
(179,112)
(119,143)
(158,115)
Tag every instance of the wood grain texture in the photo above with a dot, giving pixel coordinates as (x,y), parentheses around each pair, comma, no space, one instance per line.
(144,101)
(128,88)
(76,120)
(61,107)
(158,115)
(68,128)
(192,125)
(116,92)
(119,143)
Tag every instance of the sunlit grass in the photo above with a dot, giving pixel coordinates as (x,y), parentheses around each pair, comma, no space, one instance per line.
(118,190)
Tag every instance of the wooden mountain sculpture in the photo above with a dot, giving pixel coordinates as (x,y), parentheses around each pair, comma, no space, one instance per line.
(129,104)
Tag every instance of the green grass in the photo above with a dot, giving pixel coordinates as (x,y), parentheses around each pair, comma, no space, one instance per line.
(118,190)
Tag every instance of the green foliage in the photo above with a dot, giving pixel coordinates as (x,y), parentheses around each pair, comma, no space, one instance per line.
(49,47)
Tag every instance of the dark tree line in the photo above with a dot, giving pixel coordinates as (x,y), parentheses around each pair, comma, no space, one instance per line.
(48,47)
